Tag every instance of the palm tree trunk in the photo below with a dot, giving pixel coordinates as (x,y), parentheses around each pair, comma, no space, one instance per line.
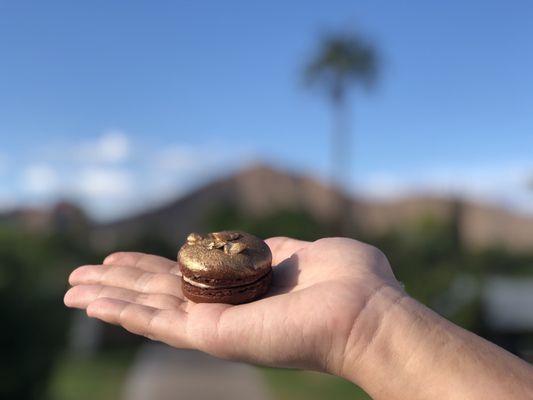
(340,166)
(340,145)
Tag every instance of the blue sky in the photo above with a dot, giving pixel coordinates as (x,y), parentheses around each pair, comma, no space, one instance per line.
(121,104)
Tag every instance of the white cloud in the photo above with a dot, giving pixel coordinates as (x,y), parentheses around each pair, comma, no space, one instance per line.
(177,158)
(40,179)
(100,182)
(111,147)
(505,184)
(212,158)
(110,179)
(114,146)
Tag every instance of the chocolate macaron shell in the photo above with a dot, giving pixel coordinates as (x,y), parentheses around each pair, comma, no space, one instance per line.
(199,261)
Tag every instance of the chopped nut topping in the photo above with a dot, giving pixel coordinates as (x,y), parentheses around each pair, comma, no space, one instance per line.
(226,241)
(225,236)
(219,244)
(233,248)
(193,238)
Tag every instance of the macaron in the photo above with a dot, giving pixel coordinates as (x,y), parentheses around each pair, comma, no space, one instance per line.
(231,267)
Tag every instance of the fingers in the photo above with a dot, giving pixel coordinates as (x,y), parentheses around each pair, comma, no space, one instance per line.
(147,262)
(127,278)
(82,295)
(168,326)
(284,247)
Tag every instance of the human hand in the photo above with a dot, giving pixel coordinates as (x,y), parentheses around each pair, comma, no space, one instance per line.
(334,306)
(327,300)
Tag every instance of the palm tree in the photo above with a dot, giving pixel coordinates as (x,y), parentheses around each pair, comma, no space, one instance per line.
(342,62)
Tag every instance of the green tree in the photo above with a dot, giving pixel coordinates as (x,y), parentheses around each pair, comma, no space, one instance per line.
(33,272)
(342,61)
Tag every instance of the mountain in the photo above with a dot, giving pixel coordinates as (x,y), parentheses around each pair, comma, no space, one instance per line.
(261,190)
(63,217)
(254,191)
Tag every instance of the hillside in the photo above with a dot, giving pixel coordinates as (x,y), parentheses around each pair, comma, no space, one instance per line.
(262,190)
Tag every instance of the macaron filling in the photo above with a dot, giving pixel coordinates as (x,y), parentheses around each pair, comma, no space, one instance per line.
(217,284)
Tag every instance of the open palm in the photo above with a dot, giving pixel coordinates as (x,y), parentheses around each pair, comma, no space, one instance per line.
(318,293)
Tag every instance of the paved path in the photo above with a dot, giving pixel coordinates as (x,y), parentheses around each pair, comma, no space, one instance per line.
(162,373)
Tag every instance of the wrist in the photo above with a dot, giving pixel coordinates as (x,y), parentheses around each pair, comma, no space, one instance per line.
(384,341)
(369,331)
(413,353)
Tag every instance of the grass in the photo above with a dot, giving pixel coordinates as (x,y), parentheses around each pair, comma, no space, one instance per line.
(102,376)
(300,385)
(95,377)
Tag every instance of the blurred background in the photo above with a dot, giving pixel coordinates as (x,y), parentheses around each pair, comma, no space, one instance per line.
(126,125)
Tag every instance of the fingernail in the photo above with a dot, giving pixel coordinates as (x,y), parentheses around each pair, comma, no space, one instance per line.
(67,299)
